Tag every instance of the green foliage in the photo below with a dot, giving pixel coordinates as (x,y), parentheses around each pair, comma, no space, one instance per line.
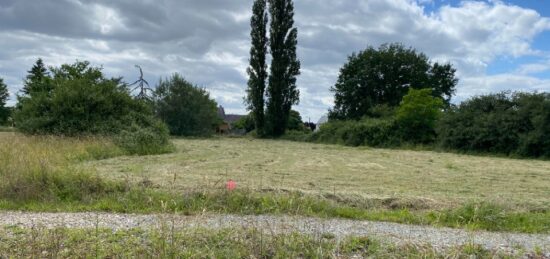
(282,91)
(509,124)
(368,131)
(271,116)
(383,76)
(381,111)
(245,123)
(295,121)
(187,109)
(257,70)
(297,135)
(417,115)
(37,80)
(145,141)
(4,95)
(81,101)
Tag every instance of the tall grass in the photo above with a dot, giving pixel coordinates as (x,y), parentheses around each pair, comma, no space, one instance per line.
(39,167)
(224,243)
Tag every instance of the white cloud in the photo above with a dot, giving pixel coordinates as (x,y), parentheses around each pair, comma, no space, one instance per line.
(208,41)
(504,82)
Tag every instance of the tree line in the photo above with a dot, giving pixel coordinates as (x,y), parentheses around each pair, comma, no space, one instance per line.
(386,96)
(394,96)
(79,100)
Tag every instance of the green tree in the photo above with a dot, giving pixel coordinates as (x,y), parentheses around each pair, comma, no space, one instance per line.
(246,123)
(418,114)
(4,95)
(504,123)
(282,92)
(295,121)
(81,102)
(187,109)
(38,79)
(383,76)
(257,71)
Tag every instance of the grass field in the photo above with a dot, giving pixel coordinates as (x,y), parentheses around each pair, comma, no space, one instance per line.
(419,179)
(275,177)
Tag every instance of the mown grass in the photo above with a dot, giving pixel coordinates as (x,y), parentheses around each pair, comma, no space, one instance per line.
(166,242)
(437,180)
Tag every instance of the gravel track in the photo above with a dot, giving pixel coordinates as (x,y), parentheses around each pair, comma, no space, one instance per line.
(340,228)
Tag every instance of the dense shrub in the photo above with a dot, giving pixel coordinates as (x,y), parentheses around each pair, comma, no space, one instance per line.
(80,101)
(412,122)
(187,109)
(77,100)
(295,121)
(368,131)
(417,116)
(145,141)
(245,123)
(510,124)
(298,135)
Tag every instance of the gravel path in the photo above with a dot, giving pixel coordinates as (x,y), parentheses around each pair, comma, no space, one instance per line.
(438,237)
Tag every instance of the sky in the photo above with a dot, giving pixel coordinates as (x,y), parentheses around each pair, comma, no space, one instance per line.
(494,45)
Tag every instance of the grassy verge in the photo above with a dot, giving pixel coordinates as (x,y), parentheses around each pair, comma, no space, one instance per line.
(200,243)
(475,216)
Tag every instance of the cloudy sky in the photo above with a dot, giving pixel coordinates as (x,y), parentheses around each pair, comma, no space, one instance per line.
(495,45)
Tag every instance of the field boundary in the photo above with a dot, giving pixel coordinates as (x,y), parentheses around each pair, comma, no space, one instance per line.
(338,228)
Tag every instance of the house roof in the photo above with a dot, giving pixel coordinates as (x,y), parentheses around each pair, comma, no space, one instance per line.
(228,118)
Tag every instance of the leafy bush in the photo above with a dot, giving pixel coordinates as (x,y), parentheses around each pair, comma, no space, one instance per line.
(295,121)
(297,135)
(504,123)
(187,109)
(417,116)
(80,101)
(77,100)
(368,131)
(245,123)
(145,141)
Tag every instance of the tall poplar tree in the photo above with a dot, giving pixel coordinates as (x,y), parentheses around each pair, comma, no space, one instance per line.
(282,92)
(257,71)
